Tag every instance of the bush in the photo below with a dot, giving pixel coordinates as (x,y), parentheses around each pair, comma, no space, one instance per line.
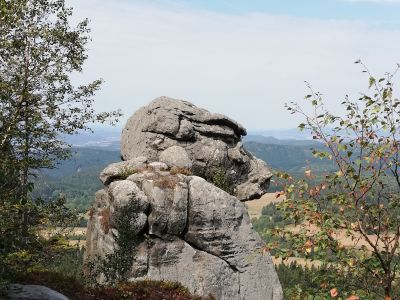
(220,180)
(139,290)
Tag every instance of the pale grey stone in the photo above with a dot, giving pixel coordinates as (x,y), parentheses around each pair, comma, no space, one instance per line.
(140,262)
(114,171)
(158,166)
(219,224)
(176,156)
(33,292)
(102,199)
(192,231)
(260,269)
(203,273)
(124,192)
(258,181)
(168,212)
(195,234)
(186,131)
(212,143)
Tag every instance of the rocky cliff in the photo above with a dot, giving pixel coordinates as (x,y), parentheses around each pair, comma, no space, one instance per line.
(161,213)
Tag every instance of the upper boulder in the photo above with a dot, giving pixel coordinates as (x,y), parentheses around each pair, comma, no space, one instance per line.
(179,134)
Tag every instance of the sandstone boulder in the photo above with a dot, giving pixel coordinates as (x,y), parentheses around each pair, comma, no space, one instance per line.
(191,232)
(164,211)
(180,134)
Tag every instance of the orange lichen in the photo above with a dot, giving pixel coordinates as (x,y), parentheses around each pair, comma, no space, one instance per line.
(105,220)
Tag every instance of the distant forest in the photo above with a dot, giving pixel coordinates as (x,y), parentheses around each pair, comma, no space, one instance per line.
(77,178)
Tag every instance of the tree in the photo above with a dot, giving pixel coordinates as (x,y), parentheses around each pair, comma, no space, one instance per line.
(39,52)
(350,218)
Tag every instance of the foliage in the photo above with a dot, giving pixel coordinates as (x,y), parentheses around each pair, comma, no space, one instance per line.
(76,178)
(290,158)
(39,51)
(220,180)
(300,282)
(114,267)
(47,221)
(360,201)
(139,290)
(271,219)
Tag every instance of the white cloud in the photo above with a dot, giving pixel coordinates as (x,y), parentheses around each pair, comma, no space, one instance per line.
(245,66)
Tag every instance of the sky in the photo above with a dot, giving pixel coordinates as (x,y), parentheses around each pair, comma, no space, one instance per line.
(241,58)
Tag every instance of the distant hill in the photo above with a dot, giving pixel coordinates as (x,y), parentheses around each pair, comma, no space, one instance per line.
(274,141)
(77,178)
(289,158)
(102,138)
(284,134)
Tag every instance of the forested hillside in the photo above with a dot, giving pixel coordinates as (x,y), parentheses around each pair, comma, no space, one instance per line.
(77,178)
(289,158)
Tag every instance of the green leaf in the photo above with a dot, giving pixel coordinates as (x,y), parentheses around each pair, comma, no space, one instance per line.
(371,81)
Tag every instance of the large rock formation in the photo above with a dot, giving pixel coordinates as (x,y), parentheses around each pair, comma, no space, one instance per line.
(181,134)
(182,227)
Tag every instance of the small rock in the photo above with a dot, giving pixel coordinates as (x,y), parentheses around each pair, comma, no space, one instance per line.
(124,192)
(122,169)
(176,156)
(33,292)
(158,166)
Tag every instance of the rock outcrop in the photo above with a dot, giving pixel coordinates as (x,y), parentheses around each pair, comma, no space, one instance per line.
(185,228)
(33,292)
(180,134)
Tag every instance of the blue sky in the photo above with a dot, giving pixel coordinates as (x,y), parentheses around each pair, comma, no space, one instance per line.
(375,11)
(245,59)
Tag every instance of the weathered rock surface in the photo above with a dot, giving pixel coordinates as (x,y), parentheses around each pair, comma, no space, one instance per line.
(184,228)
(196,234)
(33,292)
(178,133)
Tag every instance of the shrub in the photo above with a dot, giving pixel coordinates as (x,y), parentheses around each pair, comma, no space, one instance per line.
(115,266)
(139,290)
(220,180)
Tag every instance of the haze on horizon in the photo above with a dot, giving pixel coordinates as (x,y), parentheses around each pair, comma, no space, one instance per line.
(244,59)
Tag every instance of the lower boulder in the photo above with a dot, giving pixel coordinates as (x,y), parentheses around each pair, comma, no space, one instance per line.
(188,231)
